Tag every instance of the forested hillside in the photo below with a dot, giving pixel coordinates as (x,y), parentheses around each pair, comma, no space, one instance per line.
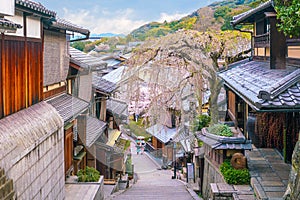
(215,16)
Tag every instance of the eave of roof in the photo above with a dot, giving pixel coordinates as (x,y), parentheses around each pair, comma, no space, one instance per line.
(102,84)
(8,25)
(34,7)
(68,26)
(95,129)
(68,107)
(118,108)
(86,61)
(24,130)
(162,133)
(243,16)
(116,75)
(263,88)
(221,142)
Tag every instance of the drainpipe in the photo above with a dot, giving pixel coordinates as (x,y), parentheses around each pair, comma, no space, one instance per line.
(244,31)
(284,138)
(79,39)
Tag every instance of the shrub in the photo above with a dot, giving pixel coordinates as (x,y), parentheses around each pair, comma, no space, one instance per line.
(89,174)
(201,121)
(129,166)
(138,130)
(234,176)
(220,129)
(200,143)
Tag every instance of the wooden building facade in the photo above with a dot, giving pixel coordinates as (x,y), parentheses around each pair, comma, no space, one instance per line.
(263,92)
(30,128)
(21,51)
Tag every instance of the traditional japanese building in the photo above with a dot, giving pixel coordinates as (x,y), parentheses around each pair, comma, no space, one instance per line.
(55,87)
(264,92)
(31,135)
(110,151)
(72,101)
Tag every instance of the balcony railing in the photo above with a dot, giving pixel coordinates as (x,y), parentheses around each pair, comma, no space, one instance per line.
(262,40)
(293,41)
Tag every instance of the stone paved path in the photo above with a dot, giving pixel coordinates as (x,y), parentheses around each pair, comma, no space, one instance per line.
(269,173)
(152,183)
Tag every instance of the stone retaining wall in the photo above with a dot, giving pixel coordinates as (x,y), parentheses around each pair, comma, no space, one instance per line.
(211,175)
(34,160)
(39,174)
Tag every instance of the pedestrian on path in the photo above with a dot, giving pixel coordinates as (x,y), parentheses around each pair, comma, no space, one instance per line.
(138,149)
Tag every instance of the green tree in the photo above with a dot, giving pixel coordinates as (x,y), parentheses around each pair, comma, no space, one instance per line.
(222,11)
(288,12)
(78,45)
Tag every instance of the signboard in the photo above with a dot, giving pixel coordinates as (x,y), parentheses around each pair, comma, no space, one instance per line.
(7,7)
(190,171)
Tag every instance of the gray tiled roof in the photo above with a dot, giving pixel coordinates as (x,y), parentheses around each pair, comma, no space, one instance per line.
(24,129)
(117,108)
(112,61)
(68,107)
(214,144)
(7,24)
(243,16)
(186,140)
(36,7)
(86,61)
(221,142)
(264,88)
(65,25)
(102,84)
(95,129)
(116,75)
(161,132)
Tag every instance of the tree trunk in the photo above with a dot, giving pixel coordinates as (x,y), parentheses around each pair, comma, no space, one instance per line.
(215,87)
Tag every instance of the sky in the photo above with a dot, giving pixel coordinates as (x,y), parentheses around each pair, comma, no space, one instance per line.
(121,16)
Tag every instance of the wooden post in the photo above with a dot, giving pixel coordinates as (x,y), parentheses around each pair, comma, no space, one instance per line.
(1,78)
(246,112)
(284,139)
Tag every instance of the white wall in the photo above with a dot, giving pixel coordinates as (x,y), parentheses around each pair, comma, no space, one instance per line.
(7,7)
(33,27)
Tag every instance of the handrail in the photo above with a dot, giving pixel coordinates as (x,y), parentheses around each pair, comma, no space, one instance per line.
(262,39)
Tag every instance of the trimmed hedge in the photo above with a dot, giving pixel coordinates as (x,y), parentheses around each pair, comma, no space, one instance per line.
(234,176)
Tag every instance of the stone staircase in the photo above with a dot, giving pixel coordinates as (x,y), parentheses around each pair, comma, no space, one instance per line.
(269,173)
(6,187)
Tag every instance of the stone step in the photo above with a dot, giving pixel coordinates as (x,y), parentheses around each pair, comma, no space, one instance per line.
(243,197)
(259,192)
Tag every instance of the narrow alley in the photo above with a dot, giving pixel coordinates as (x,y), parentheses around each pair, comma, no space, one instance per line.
(152,182)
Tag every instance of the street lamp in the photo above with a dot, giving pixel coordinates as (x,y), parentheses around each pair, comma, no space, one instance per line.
(174,156)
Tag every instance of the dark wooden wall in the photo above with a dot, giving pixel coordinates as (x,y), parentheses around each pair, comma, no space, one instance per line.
(21,73)
(68,145)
